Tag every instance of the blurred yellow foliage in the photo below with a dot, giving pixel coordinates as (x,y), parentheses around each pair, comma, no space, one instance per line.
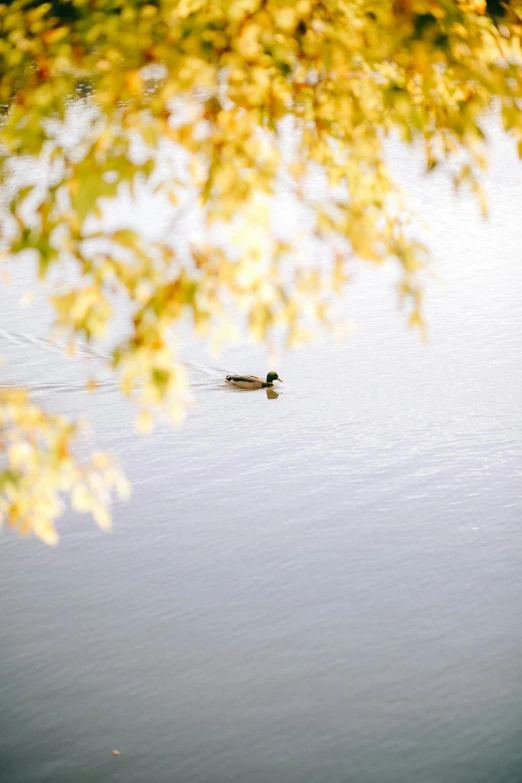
(246,96)
(40,466)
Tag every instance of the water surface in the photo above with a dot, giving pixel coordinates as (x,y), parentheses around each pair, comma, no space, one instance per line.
(322,587)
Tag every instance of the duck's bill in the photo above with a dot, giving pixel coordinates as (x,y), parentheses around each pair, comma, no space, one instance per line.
(280,380)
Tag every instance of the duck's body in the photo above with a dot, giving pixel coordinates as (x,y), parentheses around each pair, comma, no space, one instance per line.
(252,381)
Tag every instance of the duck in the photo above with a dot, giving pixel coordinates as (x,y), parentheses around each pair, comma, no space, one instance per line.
(252,381)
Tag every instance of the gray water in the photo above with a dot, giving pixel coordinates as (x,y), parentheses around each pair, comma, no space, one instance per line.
(322,587)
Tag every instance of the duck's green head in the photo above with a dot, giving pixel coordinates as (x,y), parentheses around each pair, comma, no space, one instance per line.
(273,376)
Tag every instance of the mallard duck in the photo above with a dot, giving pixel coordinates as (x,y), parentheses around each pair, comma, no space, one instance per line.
(252,381)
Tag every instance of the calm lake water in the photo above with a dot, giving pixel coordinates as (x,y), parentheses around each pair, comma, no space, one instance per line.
(325,587)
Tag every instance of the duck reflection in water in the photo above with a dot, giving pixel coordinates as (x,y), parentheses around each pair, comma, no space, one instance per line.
(271,394)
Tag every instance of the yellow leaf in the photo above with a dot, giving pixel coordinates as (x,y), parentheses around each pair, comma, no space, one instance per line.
(144,422)
(46,532)
(102,517)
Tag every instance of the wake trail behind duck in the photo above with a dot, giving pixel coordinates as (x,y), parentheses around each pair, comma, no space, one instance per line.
(199,375)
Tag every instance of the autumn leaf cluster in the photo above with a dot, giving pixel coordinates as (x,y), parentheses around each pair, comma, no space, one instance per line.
(220,106)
